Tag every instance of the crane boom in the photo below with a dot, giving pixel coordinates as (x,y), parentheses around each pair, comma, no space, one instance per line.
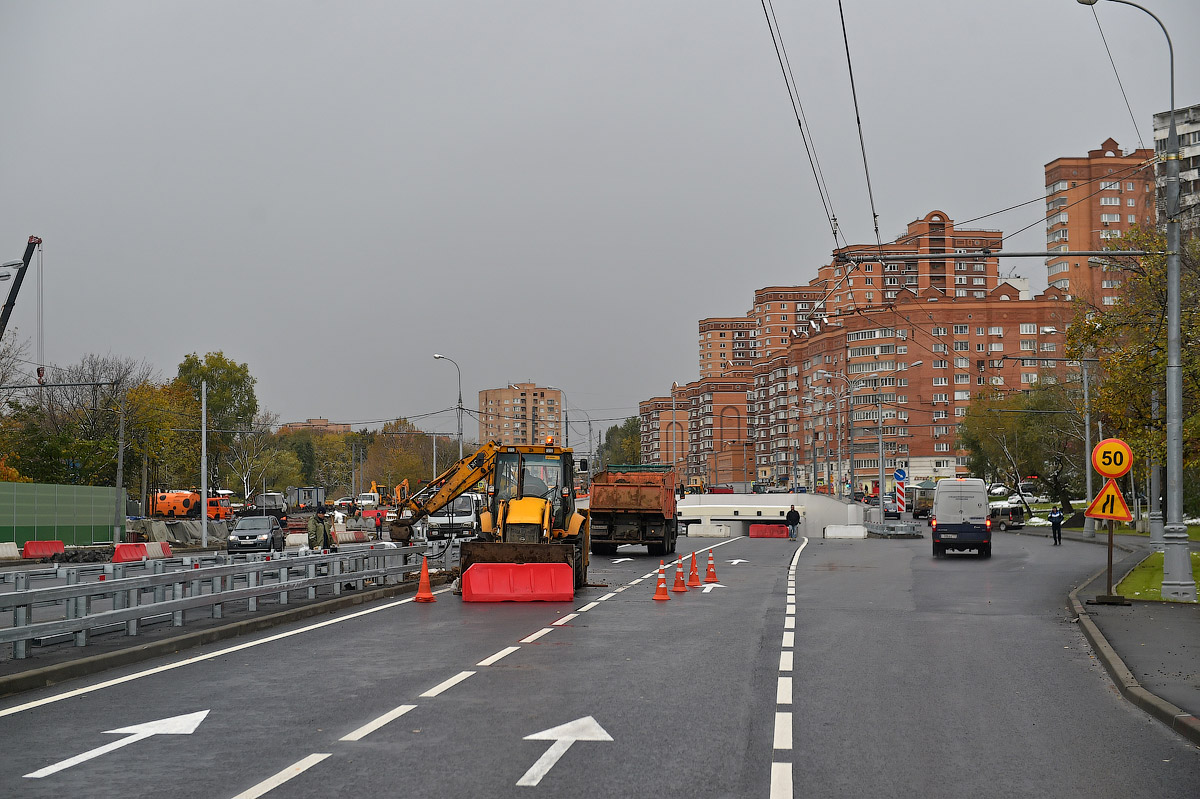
(15,271)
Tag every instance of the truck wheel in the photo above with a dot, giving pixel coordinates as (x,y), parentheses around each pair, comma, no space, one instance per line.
(658,550)
(673,532)
(938,551)
(985,551)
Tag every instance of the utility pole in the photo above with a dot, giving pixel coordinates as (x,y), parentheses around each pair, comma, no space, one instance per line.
(119,518)
(204,463)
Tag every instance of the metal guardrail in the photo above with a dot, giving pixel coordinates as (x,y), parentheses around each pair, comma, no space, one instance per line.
(135,599)
(896,527)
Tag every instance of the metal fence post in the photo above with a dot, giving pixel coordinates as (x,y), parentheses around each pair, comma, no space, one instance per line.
(311,573)
(21,617)
(252,582)
(177,593)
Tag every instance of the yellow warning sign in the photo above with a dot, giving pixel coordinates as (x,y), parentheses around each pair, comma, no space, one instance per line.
(1109,504)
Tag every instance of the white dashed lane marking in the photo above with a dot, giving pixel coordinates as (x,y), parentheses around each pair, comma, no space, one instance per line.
(529,639)
(448,684)
(508,650)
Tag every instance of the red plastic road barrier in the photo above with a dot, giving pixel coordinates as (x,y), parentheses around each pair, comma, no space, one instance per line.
(42,549)
(768,531)
(518,582)
(166,548)
(129,553)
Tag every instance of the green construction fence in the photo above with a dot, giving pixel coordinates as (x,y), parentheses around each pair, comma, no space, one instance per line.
(75,515)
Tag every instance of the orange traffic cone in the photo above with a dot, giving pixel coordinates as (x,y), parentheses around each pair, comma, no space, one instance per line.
(660,592)
(679,587)
(693,575)
(423,592)
(710,576)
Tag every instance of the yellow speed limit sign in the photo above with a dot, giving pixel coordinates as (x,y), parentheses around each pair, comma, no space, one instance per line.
(1112,458)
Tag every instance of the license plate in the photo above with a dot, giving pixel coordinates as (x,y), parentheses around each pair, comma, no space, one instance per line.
(949,535)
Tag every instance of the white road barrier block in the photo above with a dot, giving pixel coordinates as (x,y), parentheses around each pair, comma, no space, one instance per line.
(708,531)
(845,531)
(8,549)
(296,540)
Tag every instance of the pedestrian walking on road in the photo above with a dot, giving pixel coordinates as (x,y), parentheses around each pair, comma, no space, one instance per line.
(1056,520)
(793,522)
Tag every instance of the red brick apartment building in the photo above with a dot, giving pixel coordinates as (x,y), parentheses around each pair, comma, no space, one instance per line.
(1090,201)
(914,345)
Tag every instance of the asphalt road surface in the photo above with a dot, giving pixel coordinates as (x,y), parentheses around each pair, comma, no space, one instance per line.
(891,674)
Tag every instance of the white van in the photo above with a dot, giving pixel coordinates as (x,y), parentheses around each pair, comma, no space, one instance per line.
(367,500)
(960,516)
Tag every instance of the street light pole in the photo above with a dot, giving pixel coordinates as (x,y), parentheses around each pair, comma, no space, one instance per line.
(1178,583)
(459,409)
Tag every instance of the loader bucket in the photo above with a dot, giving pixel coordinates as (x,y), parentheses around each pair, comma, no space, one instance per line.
(540,558)
(518,582)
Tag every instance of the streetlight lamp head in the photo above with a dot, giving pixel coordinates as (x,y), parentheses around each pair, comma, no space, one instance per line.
(915,363)
(1086,2)
(436,356)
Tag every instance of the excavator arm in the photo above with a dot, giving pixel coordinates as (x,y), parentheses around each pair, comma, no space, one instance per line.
(447,486)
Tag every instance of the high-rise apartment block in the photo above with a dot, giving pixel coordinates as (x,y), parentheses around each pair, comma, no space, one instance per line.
(521,413)
(1091,200)
(1187,126)
(893,346)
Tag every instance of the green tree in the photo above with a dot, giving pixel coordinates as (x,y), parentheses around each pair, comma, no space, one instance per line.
(1010,437)
(622,443)
(1130,341)
(232,404)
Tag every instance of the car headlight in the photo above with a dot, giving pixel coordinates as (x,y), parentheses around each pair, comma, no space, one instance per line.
(433,525)
(263,537)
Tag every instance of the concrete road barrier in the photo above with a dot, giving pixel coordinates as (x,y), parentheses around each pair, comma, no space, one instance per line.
(8,549)
(708,531)
(845,531)
(296,540)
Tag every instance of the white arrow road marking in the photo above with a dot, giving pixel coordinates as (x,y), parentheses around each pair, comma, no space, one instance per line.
(736,561)
(584,729)
(710,586)
(175,725)
(622,560)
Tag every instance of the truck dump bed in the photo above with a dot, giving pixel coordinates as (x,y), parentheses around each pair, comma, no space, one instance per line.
(634,489)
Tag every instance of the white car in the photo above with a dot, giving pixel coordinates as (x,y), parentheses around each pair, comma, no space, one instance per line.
(1032,499)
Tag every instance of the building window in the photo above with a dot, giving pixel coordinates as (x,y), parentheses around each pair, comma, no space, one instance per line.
(962,395)
(962,346)
(940,348)
(1028,344)
(1049,346)
(939,446)
(979,281)
(961,330)
(941,397)
(961,379)
(1110,217)
(941,381)
(1110,200)
(941,364)
(1028,328)
(1110,300)
(962,363)
(939,331)
(1110,185)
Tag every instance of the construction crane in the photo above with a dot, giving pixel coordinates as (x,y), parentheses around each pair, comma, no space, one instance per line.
(12,274)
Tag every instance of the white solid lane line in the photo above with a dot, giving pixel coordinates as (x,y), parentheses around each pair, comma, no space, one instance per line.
(783,691)
(529,639)
(565,619)
(294,770)
(371,726)
(505,652)
(448,684)
(201,658)
(783,730)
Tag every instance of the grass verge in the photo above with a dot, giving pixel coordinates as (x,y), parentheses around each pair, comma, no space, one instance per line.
(1145,581)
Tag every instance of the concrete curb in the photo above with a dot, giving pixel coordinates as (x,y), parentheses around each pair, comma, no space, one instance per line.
(1179,720)
(50,675)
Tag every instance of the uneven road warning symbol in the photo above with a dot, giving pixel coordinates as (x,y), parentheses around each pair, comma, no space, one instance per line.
(1109,504)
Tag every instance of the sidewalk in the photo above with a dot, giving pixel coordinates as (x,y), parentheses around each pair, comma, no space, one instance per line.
(1151,650)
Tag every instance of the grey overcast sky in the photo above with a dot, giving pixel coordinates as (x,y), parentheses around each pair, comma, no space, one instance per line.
(552,191)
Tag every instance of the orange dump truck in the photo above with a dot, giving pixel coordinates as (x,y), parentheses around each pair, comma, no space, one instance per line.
(633,504)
